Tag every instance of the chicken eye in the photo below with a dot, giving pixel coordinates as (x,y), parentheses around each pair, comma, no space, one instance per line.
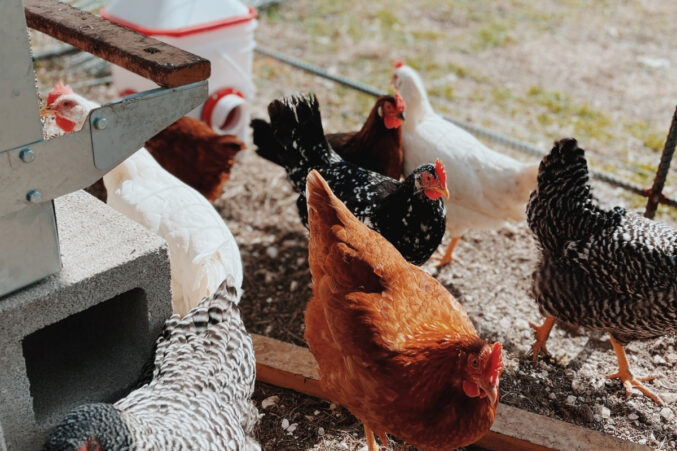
(474,363)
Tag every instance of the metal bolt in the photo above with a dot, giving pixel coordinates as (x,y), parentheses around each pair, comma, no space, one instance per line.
(34,196)
(100,123)
(27,155)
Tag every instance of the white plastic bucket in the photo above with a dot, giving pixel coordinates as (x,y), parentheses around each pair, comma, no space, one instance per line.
(221,31)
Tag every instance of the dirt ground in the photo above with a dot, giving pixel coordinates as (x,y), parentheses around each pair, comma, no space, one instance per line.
(601,71)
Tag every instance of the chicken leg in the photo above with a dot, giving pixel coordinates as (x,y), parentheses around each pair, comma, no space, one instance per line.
(542,333)
(447,257)
(626,376)
(371,440)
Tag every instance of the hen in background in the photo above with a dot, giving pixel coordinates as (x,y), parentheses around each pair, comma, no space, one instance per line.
(202,250)
(377,146)
(409,214)
(194,153)
(392,344)
(198,397)
(487,188)
(606,270)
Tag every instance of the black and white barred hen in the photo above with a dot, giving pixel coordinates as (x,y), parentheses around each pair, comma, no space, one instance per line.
(198,398)
(410,214)
(607,270)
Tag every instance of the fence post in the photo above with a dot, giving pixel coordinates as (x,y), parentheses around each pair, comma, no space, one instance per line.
(656,191)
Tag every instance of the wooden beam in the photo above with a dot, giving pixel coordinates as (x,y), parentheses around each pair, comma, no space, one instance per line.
(290,366)
(162,63)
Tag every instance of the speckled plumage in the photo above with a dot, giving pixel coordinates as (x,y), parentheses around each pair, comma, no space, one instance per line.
(199,395)
(609,270)
(399,211)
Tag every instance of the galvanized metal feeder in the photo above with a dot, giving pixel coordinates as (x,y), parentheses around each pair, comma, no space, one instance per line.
(34,171)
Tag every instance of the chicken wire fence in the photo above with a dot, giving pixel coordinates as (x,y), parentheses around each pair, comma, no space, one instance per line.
(654,194)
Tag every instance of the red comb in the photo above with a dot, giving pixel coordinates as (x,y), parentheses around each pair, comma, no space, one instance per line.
(398,64)
(441,174)
(496,364)
(57,91)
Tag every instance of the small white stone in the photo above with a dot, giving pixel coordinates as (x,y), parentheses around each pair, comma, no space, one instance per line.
(285,423)
(571,400)
(269,401)
(269,300)
(293,285)
(272,251)
(552,396)
(292,427)
(332,406)
(320,431)
(602,411)
(633,416)
(317,412)
(667,414)
(658,360)
(577,386)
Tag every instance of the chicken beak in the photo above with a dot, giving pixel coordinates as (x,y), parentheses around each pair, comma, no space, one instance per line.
(47,112)
(400,116)
(445,192)
(491,390)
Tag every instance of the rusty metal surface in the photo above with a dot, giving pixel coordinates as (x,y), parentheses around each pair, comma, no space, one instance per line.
(165,65)
(655,194)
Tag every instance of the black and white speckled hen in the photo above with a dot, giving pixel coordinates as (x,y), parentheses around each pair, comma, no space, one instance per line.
(198,397)
(607,270)
(410,214)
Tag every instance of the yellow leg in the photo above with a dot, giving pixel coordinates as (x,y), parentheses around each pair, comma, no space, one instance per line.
(447,257)
(371,440)
(542,333)
(626,376)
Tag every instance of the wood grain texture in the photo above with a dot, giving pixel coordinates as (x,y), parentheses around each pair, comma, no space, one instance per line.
(290,366)
(162,63)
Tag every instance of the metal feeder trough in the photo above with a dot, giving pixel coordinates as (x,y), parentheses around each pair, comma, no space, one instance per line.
(34,171)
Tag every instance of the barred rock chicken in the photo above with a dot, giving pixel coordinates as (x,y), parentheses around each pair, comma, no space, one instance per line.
(378,144)
(409,214)
(202,250)
(392,344)
(487,188)
(202,159)
(198,397)
(606,270)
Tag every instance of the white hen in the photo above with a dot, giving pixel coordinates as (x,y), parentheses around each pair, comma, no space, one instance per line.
(202,250)
(486,188)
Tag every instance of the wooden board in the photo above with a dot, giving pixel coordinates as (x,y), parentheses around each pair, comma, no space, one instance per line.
(164,64)
(290,366)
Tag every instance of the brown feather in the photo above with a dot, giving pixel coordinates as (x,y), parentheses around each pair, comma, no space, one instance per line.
(196,154)
(389,339)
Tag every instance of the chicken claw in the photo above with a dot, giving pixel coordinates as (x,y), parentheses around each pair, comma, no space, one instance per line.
(626,377)
(447,257)
(542,333)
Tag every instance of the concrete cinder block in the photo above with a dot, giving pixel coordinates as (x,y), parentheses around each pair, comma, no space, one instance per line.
(83,334)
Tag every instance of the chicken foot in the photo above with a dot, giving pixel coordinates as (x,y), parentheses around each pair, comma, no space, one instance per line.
(626,377)
(447,257)
(542,333)
(371,440)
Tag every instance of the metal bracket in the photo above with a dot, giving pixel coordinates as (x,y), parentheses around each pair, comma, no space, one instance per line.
(113,132)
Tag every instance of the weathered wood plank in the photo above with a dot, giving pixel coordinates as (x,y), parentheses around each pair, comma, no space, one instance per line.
(290,366)
(165,65)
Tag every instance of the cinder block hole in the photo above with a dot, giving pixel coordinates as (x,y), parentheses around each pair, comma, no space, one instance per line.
(92,356)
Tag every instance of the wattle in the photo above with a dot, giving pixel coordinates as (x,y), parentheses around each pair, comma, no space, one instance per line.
(64,124)
(392,122)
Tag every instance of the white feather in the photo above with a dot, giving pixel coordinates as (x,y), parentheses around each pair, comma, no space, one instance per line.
(202,250)
(486,188)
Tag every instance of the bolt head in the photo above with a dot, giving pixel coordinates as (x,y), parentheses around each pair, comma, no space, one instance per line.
(34,196)
(27,155)
(100,123)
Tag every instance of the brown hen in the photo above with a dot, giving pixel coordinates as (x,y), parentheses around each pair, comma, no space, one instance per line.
(392,344)
(196,154)
(378,144)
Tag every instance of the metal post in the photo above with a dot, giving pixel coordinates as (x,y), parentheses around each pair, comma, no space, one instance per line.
(656,191)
